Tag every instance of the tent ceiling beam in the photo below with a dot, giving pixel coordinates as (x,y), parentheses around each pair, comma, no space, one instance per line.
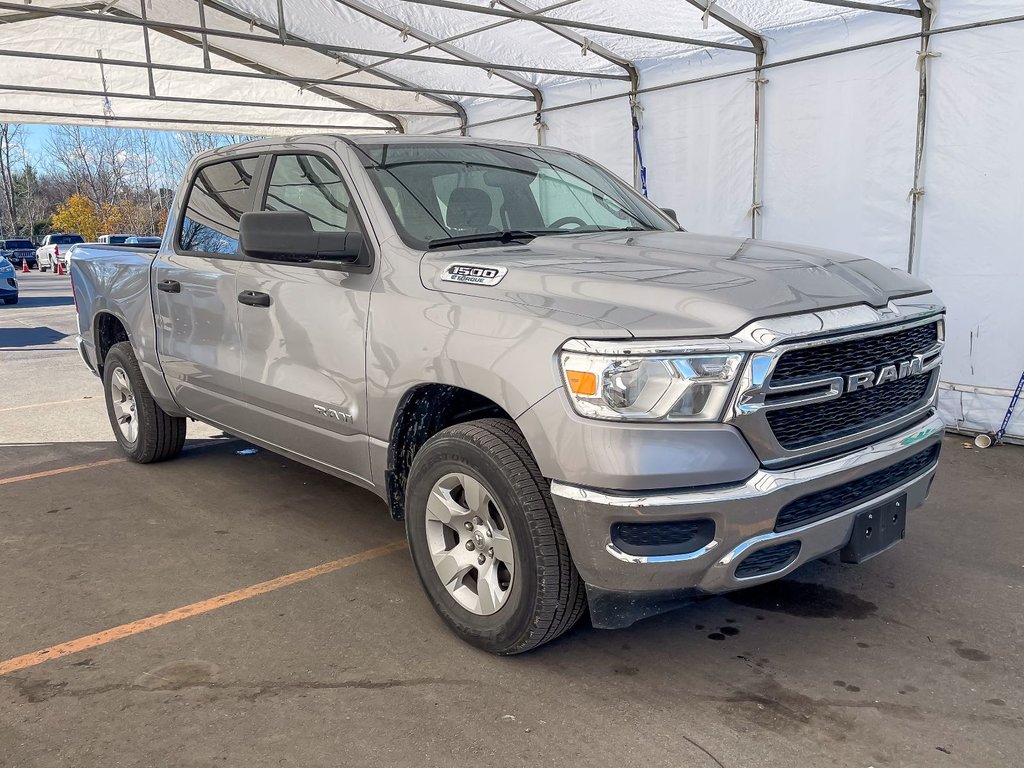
(33,15)
(452,104)
(262,68)
(451,39)
(293,79)
(33,113)
(217,102)
(869,7)
(327,49)
(452,50)
(474,63)
(541,18)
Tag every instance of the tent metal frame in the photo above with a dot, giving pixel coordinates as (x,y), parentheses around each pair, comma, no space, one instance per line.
(276,32)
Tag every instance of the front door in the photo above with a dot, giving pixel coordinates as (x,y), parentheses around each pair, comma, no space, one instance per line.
(194,294)
(303,357)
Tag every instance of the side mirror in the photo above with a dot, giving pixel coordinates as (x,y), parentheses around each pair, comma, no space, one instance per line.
(671,213)
(289,236)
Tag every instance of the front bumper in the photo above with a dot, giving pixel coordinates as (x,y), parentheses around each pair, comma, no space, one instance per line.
(744,517)
(7,290)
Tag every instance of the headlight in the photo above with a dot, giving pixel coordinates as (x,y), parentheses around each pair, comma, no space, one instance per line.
(679,388)
(6,267)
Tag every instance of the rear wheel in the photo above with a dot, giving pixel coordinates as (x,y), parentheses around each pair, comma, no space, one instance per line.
(486,540)
(141,427)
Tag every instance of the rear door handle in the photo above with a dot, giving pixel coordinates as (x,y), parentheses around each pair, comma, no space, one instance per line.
(254,298)
(169,286)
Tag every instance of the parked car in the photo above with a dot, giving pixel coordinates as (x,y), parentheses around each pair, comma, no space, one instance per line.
(18,251)
(64,257)
(49,252)
(114,239)
(152,242)
(8,282)
(569,400)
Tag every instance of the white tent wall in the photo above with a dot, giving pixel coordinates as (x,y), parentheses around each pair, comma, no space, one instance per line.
(973,205)
(839,137)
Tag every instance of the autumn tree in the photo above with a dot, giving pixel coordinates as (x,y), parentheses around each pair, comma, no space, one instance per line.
(79,215)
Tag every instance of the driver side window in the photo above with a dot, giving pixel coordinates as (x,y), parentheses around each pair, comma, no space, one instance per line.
(309,184)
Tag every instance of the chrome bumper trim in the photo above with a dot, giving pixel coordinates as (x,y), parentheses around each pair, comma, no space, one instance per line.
(744,518)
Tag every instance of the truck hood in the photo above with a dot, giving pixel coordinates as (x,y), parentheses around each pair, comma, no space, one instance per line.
(662,284)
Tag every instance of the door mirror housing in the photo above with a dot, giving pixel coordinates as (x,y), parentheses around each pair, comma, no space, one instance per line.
(671,213)
(289,236)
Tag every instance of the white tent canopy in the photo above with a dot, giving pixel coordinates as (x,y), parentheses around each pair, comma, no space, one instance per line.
(884,127)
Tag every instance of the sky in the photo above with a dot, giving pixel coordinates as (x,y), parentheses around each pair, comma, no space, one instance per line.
(34,138)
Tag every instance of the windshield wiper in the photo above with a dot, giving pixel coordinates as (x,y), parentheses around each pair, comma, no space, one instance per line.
(507,236)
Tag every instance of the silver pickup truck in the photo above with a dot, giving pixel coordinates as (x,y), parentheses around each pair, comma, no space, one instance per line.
(569,400)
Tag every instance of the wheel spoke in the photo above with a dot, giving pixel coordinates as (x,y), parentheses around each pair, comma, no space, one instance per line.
(503,551)
(121,381)
(488,590)
(452,565)
(476,495)
(441,506)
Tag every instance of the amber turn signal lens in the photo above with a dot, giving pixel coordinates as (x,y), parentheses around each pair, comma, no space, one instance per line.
(582,382)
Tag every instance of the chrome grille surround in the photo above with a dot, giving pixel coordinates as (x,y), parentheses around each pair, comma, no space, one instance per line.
(756,396)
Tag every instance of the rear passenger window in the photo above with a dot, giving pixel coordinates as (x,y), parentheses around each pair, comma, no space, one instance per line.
(219,196)
(309,184)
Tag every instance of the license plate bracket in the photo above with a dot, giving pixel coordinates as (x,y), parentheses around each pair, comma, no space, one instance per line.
(876,530)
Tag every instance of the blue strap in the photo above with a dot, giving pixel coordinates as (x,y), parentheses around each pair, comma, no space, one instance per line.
(639,155)
(1009,411)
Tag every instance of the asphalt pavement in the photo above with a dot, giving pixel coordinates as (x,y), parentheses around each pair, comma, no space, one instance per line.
(234,608)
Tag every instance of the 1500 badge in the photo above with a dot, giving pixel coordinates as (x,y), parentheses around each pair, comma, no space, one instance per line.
(475,274)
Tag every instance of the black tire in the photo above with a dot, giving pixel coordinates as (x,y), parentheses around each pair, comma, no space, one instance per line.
(11,300)
(160,436)
(546,596)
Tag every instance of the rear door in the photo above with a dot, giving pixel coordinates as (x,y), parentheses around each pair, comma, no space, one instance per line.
(303,354)
(194,293)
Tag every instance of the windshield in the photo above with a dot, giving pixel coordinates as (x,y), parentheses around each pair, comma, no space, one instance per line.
(17,245)
(65,239)
(454,194)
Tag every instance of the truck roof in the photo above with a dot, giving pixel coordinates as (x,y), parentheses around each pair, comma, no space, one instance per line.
(259,145)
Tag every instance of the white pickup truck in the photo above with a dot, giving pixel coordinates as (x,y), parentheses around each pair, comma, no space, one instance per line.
(54,250)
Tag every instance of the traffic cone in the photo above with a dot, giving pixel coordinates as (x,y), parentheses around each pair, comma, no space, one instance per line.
(24,265)
(60,267)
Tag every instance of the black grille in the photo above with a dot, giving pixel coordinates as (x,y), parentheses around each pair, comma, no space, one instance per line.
(819,505)
(668,538)
(808,425)
(857,355)
(768,560)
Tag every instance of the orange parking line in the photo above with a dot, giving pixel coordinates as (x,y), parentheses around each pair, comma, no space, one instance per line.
(186,612)
(104,462)
(60,471)
(53,402)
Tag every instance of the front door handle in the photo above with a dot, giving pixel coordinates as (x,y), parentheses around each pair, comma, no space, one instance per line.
(254,298)
(169,286)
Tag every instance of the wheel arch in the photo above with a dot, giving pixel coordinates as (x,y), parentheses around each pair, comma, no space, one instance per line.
(108,330)
(423,411)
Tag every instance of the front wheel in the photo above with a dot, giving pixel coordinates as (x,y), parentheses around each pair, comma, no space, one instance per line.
(486,541)
(141,427)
